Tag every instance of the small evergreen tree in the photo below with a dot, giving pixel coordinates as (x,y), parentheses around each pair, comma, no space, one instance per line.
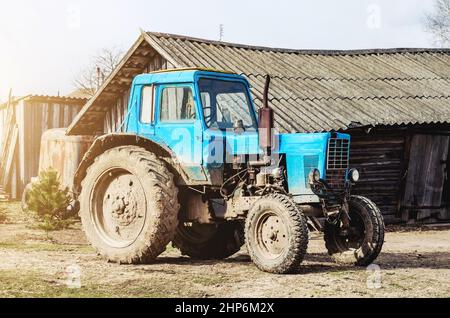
(49,202)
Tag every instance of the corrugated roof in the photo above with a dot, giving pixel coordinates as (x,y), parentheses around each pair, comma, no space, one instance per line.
(47,99)
(316,90)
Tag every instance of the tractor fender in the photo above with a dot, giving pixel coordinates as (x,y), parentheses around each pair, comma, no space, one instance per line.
(109,141)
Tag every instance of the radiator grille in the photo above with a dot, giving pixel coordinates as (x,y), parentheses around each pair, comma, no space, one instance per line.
(337,162)
(338,154)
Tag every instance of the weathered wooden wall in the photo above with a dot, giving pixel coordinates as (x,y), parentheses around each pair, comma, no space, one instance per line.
(33,116)
(379,156)
(402,170)
(427,179)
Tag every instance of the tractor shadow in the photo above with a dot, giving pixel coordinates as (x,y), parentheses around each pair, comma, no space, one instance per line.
(317,263)
(240,259)
(322,263)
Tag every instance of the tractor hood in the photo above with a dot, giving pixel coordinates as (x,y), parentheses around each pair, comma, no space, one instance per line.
(303,152)
(293,145)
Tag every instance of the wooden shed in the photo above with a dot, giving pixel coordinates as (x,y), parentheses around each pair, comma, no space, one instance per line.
(394,102)
(22,123)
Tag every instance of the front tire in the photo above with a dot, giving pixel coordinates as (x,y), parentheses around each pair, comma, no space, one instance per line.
(362,242)
(129,205)
(276,234)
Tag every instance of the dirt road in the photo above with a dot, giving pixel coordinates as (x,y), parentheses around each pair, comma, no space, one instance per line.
(413,264)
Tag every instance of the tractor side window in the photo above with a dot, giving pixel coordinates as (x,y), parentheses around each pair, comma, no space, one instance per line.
(147,105)
(177,104)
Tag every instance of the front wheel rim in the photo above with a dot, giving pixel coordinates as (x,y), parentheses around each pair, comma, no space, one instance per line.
(271,234)
(356,234)
(119,207)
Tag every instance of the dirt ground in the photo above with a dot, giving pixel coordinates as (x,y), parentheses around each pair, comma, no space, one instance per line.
(414,263)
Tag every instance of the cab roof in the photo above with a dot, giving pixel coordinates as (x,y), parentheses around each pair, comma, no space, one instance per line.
(187,75)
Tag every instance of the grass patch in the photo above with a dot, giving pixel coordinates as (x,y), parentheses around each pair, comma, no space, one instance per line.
(210,280)
(19,284)
(13,212)
(34,285)
(171,249)
(398,286)
(46,247)
(340,273)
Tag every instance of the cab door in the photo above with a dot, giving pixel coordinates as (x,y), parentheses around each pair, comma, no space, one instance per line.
(146,113)
(178,125)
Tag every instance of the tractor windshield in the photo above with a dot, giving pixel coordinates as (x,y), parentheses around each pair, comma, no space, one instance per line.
(225,103)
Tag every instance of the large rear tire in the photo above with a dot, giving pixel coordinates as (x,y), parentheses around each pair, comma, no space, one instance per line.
(129,205)
(276,234)
(205,241)
(362,242)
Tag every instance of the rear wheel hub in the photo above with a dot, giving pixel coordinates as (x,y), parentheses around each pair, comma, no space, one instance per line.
(120,211)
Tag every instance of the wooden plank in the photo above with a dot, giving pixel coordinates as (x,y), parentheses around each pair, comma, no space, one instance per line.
(403,175)
(23,159)
(141,60)
(131,69)
(10,155)
(9,130)
(66,119)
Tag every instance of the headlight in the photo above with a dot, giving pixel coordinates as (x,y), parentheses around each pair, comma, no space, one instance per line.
(353,175)
(314,176)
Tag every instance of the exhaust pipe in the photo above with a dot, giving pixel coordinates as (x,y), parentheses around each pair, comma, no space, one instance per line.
(266,121)
(265,128)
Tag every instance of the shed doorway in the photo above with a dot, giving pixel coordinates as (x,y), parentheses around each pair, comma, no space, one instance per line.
(427,179)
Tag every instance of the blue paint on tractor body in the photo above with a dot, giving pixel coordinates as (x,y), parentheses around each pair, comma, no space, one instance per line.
(196,146)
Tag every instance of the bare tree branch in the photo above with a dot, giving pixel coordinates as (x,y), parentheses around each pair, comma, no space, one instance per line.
(438,23)
(92,77)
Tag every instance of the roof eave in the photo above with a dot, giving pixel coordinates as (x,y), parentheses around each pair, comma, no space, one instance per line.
(73,129)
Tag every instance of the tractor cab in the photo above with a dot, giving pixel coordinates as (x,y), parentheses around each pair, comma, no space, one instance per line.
(204,117)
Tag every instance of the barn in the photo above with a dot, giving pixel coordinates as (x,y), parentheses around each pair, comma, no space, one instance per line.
(22,122)
(394,102)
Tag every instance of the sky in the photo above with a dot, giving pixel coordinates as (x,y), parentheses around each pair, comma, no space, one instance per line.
(44,44)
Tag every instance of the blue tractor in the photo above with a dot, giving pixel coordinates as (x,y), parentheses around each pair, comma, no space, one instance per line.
(197,165)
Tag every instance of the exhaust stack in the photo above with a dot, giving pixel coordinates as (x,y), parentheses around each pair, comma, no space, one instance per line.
(266,121)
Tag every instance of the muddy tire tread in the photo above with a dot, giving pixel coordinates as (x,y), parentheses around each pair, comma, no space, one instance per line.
(165,194)
(378,232)
(298,245)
